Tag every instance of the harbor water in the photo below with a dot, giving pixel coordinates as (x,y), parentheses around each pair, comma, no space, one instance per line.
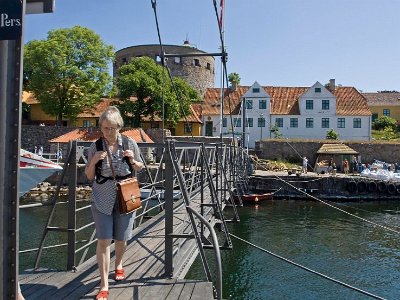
(318,237)
(309,233)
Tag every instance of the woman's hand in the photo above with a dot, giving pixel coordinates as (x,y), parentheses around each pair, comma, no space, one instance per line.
(90,167)
(131,156)
(98,155)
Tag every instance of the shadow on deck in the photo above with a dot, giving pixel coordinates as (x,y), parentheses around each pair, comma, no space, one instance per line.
(144,268)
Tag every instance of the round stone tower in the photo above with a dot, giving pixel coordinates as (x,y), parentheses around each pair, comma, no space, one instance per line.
(198,71)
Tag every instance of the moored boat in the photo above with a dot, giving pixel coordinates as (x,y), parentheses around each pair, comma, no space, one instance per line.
(33,170)
(255,198)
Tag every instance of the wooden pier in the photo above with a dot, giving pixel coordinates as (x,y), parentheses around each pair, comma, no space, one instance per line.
(163,247)
(144,268)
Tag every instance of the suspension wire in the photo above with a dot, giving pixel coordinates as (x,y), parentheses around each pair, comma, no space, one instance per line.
(329,204)
(225,76)
(162,56)
(224,71)
(337,208)
(308,269)
(308,164)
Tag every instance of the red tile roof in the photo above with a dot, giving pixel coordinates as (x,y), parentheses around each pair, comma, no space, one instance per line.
(91,135)
(379,99)
(350,102)
(96,111)
(285,101)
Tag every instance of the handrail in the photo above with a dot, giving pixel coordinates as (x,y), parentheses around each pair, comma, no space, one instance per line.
(198,165)
(217,252)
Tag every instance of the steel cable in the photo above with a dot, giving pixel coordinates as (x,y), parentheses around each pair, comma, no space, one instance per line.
(308,269)
(162,56)
(337,208)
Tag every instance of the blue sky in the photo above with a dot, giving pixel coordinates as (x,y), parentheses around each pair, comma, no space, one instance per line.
(276,42)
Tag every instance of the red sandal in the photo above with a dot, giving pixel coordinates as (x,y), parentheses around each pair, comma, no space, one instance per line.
(120,273)
(102,294)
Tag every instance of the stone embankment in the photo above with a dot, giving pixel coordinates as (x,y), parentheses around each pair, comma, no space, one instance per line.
(294,150)
(45,191)
(333,187)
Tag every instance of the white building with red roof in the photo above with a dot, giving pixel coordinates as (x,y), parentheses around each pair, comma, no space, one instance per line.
(290,112)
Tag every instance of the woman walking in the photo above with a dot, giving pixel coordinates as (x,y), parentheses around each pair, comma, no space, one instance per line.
(110,224)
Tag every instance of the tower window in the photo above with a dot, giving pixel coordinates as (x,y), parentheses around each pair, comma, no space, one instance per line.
(177,60)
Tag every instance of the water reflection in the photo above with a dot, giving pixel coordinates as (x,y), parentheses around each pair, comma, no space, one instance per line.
(32,224)
(318,237)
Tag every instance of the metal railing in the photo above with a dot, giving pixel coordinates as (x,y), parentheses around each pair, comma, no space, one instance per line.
(202,177)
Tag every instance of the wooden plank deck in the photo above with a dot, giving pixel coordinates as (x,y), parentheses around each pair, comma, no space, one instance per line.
(143,264)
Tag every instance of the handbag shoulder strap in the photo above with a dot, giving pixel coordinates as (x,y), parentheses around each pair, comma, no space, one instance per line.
(111,163)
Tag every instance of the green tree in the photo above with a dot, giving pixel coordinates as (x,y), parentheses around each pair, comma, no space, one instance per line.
(234,78)
(275,131)
(144,79)
(384,122)
(67,72)
(388,133)
(332,135)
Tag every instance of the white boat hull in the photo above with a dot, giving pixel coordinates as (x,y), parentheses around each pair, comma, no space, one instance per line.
(34,169)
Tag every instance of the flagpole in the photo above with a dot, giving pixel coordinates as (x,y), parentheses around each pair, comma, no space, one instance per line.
(221,27)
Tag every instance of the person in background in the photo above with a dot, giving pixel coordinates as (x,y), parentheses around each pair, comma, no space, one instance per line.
(346,166)
(305,165)
(330,165)
(59,155)
(109,223)
(354,165)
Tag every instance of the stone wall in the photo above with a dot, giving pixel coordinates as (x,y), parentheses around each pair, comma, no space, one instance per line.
(293,150)
(33,135)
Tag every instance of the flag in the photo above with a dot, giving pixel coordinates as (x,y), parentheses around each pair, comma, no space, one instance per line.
(221,13)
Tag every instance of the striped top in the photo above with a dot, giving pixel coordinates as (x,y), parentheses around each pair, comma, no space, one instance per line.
(105,194)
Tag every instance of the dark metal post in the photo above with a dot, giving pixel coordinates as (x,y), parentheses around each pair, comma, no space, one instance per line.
(169,209)
(72,181)
(11,48)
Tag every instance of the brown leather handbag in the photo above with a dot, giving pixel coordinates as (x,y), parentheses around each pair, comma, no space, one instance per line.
(128,192)
(128,195)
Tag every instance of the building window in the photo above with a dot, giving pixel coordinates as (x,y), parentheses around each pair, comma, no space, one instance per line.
(309,104)
(261,122)
(357,123)
(224,122)
(124,60)
(341,123)
(249,122)
(318,90)
(262,104)
(279,122)
(256,90)
(177,60)
(309,123)
(188,127)
(325,122)
(249,104)
(374,117)
(294,122)
(386,112)
(155,125)
(196,62)
(325,104)
(208,66)
(237,122)
(86,123)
